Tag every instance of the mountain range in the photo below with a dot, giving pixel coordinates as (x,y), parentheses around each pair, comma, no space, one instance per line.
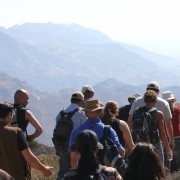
(45,105)
(57,56)
(51,61)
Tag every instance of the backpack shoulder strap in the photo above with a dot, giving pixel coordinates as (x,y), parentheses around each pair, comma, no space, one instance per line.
(70,114)
(153,111)
(106,131)
(62,113)
(73,112)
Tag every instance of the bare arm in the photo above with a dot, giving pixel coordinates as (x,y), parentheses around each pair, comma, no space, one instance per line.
(169,128)
(126,135)
(74,160)
(34,122)
(115,173)
(163,135)
(129,122)
(122,152)
(131,112)
(33,161)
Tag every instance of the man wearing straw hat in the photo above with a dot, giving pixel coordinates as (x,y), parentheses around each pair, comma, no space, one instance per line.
(93,110)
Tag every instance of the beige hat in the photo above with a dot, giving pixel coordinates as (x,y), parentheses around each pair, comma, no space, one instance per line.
(78,95)
(168,95)
(134,96)
(92,105)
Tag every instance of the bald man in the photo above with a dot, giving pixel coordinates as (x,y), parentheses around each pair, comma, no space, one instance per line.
(25,116)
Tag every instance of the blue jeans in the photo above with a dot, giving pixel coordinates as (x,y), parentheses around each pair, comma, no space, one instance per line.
(64,165)
(167,163)
(159,149)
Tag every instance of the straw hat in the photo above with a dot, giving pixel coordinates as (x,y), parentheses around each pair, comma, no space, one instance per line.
(92,105)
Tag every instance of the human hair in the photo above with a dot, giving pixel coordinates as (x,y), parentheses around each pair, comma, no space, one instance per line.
(88,94)
(150,96)
(152,89)
(88,163)
(76,101)
(170,102)
(5,109)
(110,112)
(144,164)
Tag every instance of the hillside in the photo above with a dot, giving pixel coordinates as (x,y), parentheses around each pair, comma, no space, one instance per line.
(45,105)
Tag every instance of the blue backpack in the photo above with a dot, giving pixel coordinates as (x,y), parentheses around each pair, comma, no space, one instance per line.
(110,156)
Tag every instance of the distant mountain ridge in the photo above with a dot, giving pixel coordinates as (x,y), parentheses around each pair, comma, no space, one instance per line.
(45,105)
(56,56)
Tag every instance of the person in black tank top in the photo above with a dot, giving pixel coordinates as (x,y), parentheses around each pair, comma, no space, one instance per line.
(120,126)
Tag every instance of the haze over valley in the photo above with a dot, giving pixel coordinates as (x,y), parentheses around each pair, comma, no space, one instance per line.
(53,60)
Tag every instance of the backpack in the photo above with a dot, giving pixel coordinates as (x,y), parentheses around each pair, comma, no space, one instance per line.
(100,174)
(19,118)
(63,131)
(144,127)
(109,155)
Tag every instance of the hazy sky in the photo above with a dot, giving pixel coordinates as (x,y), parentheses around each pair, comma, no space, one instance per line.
(151,24)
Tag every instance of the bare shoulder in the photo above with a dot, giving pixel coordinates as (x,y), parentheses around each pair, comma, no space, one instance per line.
(123,122)
(28,111)
(29,115)
(159,115)
(110,169)
(123,125)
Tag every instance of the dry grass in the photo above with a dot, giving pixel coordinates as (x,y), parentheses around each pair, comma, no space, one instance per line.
(48,157)
(50,160)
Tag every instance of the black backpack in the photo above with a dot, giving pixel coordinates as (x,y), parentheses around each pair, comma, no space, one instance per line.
(100,174)
(109,156)
(144,126)
(19,118)
(63,131)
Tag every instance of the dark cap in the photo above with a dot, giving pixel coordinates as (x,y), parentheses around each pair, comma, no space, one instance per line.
(84,138)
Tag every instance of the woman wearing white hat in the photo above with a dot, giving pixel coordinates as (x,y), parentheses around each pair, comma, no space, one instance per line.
(175,110)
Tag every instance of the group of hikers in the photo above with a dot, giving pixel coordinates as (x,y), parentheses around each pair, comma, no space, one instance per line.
(138,141)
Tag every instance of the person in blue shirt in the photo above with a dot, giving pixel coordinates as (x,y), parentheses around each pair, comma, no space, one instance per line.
(93,110)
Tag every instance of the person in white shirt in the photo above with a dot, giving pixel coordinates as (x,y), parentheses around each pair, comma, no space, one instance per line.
(161,105)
